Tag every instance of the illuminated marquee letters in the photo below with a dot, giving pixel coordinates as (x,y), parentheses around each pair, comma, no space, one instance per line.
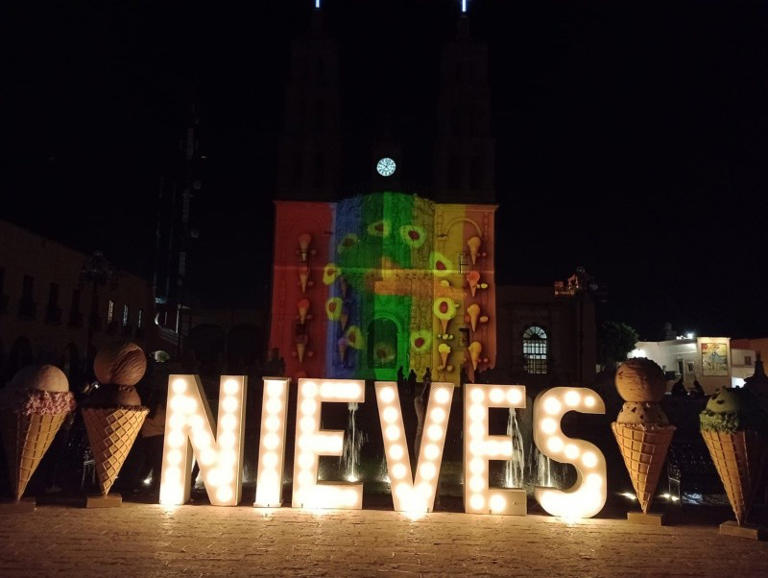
(311,442)
(409,495)
(479,448)
(188,422)
(274,410)
(587,496)
(188,432)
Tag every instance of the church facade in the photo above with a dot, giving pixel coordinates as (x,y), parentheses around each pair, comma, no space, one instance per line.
(375,284)
(395,271)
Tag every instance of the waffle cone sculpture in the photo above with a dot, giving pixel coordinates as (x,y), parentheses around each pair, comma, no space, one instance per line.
(35,406)
(644,450)
(114,415)
(111,433)
(731,426)
(642,429)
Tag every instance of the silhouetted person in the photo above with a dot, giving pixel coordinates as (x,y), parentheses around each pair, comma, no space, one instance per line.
(152,436)
(411,383)
(420,407)
(275,365)
(696,390)
(678,389)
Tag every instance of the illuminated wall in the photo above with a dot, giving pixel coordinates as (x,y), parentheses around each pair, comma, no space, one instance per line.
(372,283)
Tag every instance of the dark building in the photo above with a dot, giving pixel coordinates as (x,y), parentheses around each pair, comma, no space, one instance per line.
(58,305)
(465,150)
(175,237)
(546,335)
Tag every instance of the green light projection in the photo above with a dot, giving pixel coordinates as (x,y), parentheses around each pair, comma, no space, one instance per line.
(382,282)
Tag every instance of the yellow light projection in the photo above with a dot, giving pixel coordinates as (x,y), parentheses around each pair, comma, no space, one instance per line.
(311,442)
(480,448)
(274,411)
(409,495)
(587,496)
(188,423)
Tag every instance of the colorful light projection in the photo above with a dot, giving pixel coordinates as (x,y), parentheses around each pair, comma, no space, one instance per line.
(188,423)
(587,496)
(397,277)
(311,442)
(480,448)
(274,411)
(409,495)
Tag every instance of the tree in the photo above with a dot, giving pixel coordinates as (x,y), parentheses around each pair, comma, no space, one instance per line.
(616,340)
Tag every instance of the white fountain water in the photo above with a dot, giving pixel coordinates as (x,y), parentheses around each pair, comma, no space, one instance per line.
(514,468)
(353,443)
(544,476)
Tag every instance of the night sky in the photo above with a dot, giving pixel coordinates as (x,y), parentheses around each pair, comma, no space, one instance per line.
(632,137)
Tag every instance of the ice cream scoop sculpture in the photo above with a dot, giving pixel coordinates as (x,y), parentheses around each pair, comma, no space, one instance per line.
(114,415)
(34,405)
(642,429)
(732,426)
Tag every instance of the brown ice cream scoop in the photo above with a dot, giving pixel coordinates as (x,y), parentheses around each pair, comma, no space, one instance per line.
(41,378)
(121,363)
(112,395)
(640,379)
(642,413)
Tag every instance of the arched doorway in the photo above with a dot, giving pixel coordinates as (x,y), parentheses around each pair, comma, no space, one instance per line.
(383,345)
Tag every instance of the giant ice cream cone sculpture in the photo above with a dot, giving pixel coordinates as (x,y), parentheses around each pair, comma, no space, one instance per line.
(642,429)
(733,429)
(474,244)
(34,405)
(114,415)
(475,349)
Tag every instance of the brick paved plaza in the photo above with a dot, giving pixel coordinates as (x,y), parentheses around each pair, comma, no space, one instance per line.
(151,540)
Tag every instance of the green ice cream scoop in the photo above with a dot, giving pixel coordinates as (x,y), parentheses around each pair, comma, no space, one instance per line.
(730,410)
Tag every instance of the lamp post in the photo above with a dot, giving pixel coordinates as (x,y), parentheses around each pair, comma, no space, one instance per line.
(97,271)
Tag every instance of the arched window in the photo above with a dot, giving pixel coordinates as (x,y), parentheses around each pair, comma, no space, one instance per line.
(535,350)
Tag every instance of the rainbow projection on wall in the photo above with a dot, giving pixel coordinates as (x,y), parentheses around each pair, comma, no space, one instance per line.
(373,283)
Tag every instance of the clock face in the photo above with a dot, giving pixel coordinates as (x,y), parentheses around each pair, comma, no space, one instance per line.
(386,167)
